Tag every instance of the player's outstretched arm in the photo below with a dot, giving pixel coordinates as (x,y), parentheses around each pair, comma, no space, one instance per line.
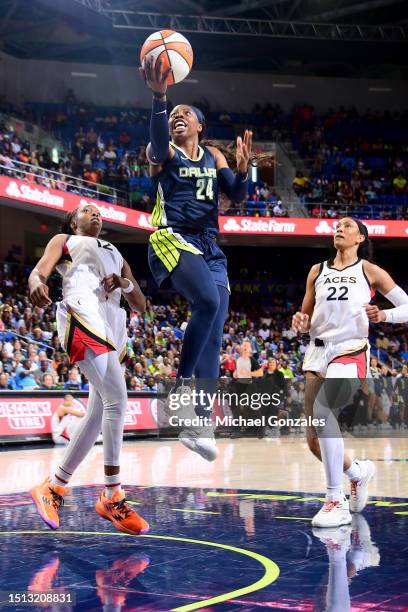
(158,149)
(37,281)
(301,320)
(383,282)
(235,186)
(129,285)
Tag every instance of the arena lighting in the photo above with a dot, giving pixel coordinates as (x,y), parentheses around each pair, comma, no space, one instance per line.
(87,75)
(380,89)
(284,85)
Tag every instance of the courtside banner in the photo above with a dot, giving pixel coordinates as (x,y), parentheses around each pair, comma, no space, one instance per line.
(31,415)
(63,201)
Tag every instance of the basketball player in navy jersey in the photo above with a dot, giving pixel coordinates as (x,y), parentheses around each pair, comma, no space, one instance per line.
(183,252)
(336,312)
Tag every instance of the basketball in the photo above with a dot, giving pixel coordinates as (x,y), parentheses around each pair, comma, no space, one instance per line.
(175,51)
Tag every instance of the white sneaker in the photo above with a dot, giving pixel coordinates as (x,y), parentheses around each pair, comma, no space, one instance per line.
(359,488)
(333,514)
(200,442)
(363,552)
(335,537)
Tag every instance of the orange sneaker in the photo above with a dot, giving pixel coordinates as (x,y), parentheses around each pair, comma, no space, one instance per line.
(48,498)
(120,514)
(44,577)
(112,581)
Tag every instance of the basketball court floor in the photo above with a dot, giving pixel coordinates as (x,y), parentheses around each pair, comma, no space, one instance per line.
(230,535)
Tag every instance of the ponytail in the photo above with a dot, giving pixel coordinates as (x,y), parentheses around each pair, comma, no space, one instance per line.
(365,250)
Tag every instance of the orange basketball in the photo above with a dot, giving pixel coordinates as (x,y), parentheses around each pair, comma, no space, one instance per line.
(175,51)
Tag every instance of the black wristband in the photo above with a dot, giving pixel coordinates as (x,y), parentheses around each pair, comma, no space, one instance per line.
(158,94)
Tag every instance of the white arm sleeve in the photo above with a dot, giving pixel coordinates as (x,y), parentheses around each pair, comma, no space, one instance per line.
(399,298)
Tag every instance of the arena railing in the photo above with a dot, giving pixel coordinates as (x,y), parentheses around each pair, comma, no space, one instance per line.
(22,170)
(75,184)
(363,211)
(26,340)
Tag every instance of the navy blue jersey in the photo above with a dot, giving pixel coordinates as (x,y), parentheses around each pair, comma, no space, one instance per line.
(186,192)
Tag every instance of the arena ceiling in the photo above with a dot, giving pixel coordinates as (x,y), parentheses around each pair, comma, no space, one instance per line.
(303,37)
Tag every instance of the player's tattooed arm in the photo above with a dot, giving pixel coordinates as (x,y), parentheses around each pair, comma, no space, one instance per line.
(37,281)
(301,320)
(129,285)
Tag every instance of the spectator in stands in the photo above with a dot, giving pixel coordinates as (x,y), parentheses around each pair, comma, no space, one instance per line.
(151,385)
(300,183)
(6,383)
(74,382)
(286,370)
(279,210)
(44,368)
(25,376)
(399,183)
(47,383)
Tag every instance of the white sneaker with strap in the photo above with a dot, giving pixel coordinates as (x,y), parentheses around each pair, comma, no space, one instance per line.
(200,441)
(333,513)
(359,488)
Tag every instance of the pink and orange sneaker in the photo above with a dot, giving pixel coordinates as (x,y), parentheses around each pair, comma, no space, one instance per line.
(48,499)
(120,514)
(112,582)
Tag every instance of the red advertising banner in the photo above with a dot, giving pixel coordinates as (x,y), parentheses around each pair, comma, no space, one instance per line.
(294,226)
(31,193)
(63,201)
(31,416)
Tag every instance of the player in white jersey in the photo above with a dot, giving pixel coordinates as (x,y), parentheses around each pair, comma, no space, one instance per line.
(92,329)
(335,312)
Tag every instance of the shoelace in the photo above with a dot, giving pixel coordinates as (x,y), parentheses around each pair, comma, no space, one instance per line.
(57,500)
(123,508)
(328,506)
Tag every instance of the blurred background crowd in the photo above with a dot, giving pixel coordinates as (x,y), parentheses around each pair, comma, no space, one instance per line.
(32,358)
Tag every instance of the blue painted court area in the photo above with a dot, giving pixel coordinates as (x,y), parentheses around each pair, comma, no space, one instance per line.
(208,550)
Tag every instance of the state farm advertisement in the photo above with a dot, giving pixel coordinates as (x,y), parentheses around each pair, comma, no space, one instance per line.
(31,193)
(31,416)
(294,226)
(64,201)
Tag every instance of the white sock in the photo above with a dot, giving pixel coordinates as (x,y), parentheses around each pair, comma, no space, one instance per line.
(61,478)
(335,493)
(354,471)
(332,451)
(112,484)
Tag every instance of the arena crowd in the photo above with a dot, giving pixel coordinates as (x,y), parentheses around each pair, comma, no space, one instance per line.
(32,358)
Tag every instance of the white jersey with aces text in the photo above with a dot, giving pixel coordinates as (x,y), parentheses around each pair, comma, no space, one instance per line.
(339,313)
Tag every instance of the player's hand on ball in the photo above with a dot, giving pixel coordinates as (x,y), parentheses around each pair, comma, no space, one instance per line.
(154,76)
(39,296)
(113,281)
(300,322)
(244,150)
(374,314)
